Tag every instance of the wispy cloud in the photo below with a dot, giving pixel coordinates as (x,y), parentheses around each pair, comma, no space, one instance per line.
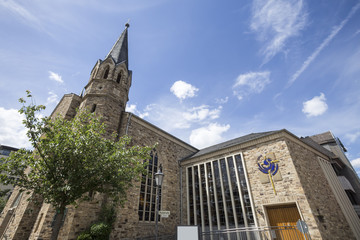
(315,106)
(23,14)
(208,135)
(334,32)
(133,109)
(249,83)
(222,100)
(172,116)
(183,90)
(56,77)
(52,98)
(352,137)
(275,21)
(201,113)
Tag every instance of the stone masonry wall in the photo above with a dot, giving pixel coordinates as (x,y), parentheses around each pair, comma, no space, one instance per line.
(289,189)
(77,220)
(303,183)
(24,214)
(169,152)
(67,106)
(328,215)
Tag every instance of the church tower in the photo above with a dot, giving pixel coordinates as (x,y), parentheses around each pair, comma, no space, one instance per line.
(108,88)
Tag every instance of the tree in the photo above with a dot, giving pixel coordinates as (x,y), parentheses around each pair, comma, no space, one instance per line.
(71,158)
(3,198)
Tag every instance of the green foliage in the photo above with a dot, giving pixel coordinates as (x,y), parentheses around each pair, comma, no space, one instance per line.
(71,158)
(2,203)
(3,198)
(84,236)
(108,215)
(100,231)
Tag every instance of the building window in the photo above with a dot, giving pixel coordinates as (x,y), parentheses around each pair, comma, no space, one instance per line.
(5,152)
(147,201)
(93,108)
(352,197)
(17,200)
(118,79)
(106,73)
(218,196)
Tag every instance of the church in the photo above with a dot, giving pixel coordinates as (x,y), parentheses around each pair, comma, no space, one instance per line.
(253,187)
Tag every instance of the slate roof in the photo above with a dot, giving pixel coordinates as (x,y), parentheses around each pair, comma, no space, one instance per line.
(323,138)
(309,141)
(232,142)
(119,52)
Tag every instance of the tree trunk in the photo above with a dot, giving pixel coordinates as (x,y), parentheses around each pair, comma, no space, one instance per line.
(57,223)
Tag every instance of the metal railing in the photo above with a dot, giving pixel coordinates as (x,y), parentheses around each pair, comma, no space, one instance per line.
(160,237)
(257,233)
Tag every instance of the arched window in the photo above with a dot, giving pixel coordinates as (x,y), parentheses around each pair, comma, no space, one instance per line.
(119,77)
(106,74)
(147,201)
(93,108)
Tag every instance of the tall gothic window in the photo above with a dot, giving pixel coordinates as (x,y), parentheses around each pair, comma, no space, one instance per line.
(93,108)
(147,201)
(106,73)
(218,195)
(119,77)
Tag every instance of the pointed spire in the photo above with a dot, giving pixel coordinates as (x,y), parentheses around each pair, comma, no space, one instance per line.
(119,52)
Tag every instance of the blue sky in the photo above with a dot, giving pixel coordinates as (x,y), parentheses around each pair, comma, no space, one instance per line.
(206,71)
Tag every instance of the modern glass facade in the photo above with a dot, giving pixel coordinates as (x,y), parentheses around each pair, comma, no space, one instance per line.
(218,194)
(147,201)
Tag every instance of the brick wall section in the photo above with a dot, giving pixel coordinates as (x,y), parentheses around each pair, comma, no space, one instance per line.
(328,215)
(169,150)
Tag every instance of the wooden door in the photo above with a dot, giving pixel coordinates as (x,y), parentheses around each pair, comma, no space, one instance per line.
(283,219)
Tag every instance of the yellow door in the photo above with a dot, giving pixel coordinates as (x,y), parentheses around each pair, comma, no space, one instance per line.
(284,219)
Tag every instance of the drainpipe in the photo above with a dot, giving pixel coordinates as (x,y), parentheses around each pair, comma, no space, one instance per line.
(128,123)
(181,202)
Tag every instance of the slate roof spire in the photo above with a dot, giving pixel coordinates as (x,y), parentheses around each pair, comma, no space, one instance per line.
(119,52)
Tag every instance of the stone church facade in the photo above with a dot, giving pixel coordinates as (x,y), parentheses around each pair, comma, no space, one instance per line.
(242,183)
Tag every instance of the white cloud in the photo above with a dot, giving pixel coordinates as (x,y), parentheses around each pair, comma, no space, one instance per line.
(53,98)
(315,106)
(183,90)
(56,77)
(352,136)
(12,131)
(252,82)
(311,58)
(202,113)
(276,21)
(355,163)
(209,135)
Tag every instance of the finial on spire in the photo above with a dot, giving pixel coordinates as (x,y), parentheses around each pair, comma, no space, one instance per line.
(127,24)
